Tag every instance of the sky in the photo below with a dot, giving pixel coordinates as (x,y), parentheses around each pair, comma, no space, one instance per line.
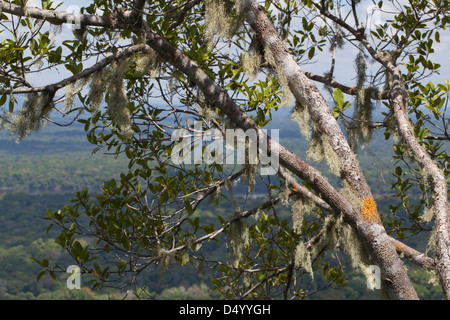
(344,70)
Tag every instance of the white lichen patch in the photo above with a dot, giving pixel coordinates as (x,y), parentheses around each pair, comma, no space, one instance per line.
(428,213)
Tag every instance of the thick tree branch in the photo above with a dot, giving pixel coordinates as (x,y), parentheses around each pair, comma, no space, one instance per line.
(372,234)
(83,74)
(433,175)
(370,230)
(416,257)
(58,17)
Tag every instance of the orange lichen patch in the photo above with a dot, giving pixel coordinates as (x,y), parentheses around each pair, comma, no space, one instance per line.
(369,211)
(399,246)
(351,90)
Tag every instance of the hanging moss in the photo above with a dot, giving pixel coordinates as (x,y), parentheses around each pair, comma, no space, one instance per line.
(97,88)
(336,231)
(116,96)
(320,148)
(251,63)
(69,94)
(300,207)
(219,19)
(236,231)
(147,64)
(285,190)
(250,176)
(333,161)
(164,258)
(204,109)
(300,114)
(353,247)
(303,259)
(31,116)
(287,98)
(363,102)
(316,150)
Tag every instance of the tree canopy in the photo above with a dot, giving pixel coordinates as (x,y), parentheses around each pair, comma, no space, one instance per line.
(162,81)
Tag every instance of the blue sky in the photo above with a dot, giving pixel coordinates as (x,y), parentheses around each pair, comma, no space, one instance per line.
(344,71)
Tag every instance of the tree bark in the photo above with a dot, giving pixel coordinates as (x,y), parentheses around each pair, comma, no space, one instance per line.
(433,175)
(371,233)
(368,224)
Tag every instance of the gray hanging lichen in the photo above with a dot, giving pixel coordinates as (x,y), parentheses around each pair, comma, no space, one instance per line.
(250,176)
(300,207)
(251,63)
(315,149)
(287,97)
(363,102)
(70,92)
(320,148)
(116,96)
(97,88)
(301,116)
(31,116)
(303,258)
(252,59)
(147,64)
(220,19)
(337,233)
(237,240)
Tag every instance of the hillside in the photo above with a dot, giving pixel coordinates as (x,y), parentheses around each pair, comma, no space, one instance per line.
(46,169)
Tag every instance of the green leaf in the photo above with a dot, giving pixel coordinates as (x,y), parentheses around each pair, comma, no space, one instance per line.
(338,97)
(46,4)
(188,207)
(311,53)
(3,100)
(11,104)
(39,276)
(52,274)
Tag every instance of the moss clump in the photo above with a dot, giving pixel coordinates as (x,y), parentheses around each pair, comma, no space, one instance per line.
(32,115)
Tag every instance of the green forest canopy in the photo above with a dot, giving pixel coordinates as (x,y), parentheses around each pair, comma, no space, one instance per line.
(234,64)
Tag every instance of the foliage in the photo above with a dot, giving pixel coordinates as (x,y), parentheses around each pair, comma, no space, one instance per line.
(142,70)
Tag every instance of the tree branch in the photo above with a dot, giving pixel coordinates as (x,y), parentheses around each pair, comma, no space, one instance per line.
(58,17)
(83,74)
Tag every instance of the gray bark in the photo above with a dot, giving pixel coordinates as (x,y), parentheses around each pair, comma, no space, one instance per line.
(371,233)
(370,229)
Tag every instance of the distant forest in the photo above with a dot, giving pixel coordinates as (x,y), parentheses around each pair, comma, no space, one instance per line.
(46,169)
